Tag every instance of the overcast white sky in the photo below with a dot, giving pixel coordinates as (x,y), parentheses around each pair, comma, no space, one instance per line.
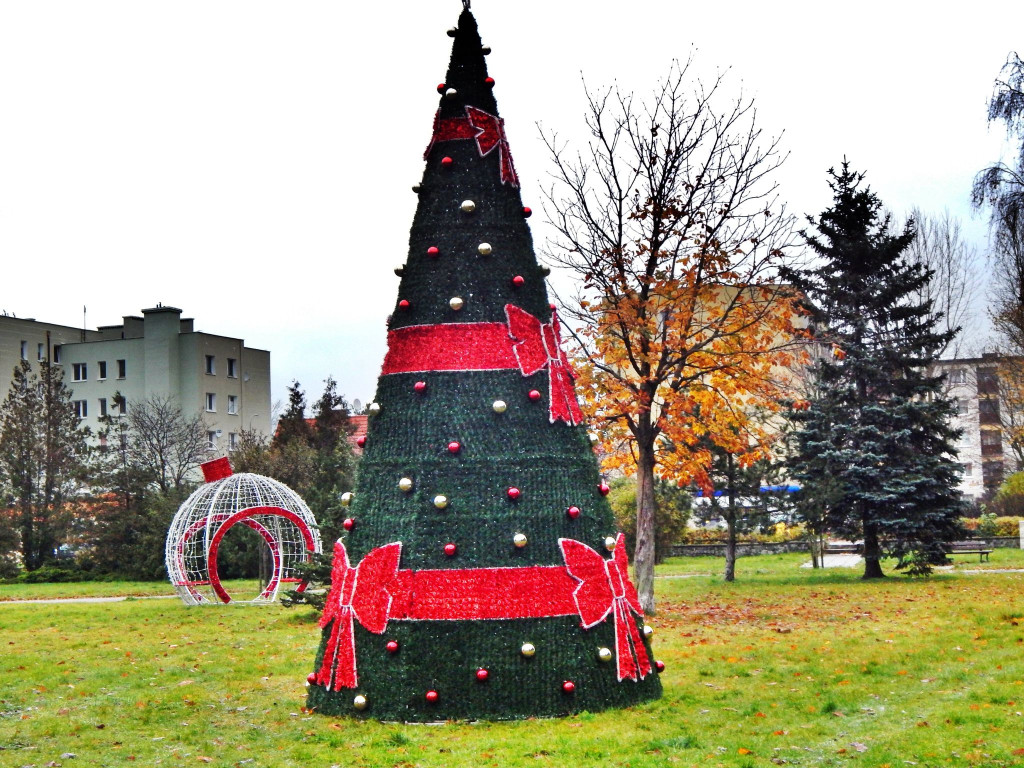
(251,161)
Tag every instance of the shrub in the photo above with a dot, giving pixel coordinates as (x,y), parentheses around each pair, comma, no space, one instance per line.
(673,507)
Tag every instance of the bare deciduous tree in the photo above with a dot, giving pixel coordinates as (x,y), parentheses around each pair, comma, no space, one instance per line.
(164,441)
(669,220)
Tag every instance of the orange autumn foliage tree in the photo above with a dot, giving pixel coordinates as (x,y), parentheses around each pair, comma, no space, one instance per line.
(671,224)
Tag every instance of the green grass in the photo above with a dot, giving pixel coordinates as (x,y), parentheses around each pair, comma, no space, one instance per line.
(240,587)
(786,666)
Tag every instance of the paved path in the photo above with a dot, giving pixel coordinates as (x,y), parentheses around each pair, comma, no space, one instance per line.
(114,599)
(838,561)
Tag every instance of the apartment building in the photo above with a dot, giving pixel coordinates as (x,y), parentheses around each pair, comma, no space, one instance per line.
(158,354)
(983,450)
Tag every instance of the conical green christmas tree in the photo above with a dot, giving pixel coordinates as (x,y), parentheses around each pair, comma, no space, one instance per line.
(481,575)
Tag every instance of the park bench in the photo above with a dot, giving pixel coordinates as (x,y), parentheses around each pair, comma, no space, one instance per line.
(970,548)
(834,548)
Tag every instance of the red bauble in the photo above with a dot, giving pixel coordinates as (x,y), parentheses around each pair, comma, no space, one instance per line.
(569,686)
(447,162)
(603,488)
(311,678)
(361,441)
(527,213)
(482,674)
(349,524)
(449,549)
(392,646)
(404,304)
(420,386)
(573,512)
(660,666)
(518,281)
(534,395)
(431,696)
(552,307)
(453,447)
(433,252)
(513,493)
(441,87)
(489,82)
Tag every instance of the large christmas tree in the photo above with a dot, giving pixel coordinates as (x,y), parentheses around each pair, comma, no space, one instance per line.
(481,576)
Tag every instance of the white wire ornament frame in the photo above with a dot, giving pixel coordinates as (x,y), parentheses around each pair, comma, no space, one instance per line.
(270,508)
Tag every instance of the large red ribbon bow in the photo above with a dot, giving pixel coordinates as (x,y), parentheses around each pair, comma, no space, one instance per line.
(604,587)
(489,132)
(537,346)
(357,594)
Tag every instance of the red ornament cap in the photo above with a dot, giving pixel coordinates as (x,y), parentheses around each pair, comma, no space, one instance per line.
(660,666)
(431,696)
(482,674)
(573,512)
(441,87)
(447,162)
(513,493)
(433,251)
(454,447)
(217,469)
(449,549)
(527,212)
(311,678)
(603,488)
(518,281)
(404,304)
(534,395)
(392,646)
(420,386)
(569,686)
(349,524)
(489,82)
(361,441)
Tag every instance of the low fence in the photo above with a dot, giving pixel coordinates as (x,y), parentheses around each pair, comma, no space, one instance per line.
(750,548)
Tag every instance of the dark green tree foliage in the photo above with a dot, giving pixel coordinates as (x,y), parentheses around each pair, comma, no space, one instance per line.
(876,446)
(335,464)
(292,426)
(42,453)
(552,464)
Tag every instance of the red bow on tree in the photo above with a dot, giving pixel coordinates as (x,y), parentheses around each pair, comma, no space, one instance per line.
(357,594)
(489,132)
(538,346)
(604,587)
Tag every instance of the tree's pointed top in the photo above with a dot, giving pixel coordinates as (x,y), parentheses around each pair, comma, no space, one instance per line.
(467,71)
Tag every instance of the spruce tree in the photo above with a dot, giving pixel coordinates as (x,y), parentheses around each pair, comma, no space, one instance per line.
(481,575)
(877,440)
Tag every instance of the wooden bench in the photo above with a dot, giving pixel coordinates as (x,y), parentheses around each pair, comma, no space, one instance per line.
(843,549)
(971,549)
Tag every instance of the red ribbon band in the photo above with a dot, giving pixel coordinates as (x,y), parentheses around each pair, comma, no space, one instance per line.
(375,592)
(523,342)
(486,129)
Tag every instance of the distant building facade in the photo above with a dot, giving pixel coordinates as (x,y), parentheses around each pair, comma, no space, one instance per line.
(983,449)
(159,354)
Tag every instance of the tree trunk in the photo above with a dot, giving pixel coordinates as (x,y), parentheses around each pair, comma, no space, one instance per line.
(816,551)
(643,558)
(730,546)
(872,550)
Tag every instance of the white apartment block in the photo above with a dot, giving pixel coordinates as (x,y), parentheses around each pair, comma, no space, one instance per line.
(983,451)
(158,354)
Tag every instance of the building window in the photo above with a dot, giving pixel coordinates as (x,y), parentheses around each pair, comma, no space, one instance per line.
(81,372)
(81,408)
(40,352)
(211,402)
(233,404)
(102,364)
(232,441)
(24,350)
(103,406)
(56,353)
(211,365)
(122,404)
(958,376)
(968,469)
(122,369)
(211,441)
(963,406)
(232,368)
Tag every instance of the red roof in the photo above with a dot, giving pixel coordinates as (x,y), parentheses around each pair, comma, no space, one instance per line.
(358,426)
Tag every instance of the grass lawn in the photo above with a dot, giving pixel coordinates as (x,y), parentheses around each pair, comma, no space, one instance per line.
(242,588)
(786,666)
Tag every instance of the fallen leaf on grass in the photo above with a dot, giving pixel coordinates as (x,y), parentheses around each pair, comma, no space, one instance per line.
(204,759)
